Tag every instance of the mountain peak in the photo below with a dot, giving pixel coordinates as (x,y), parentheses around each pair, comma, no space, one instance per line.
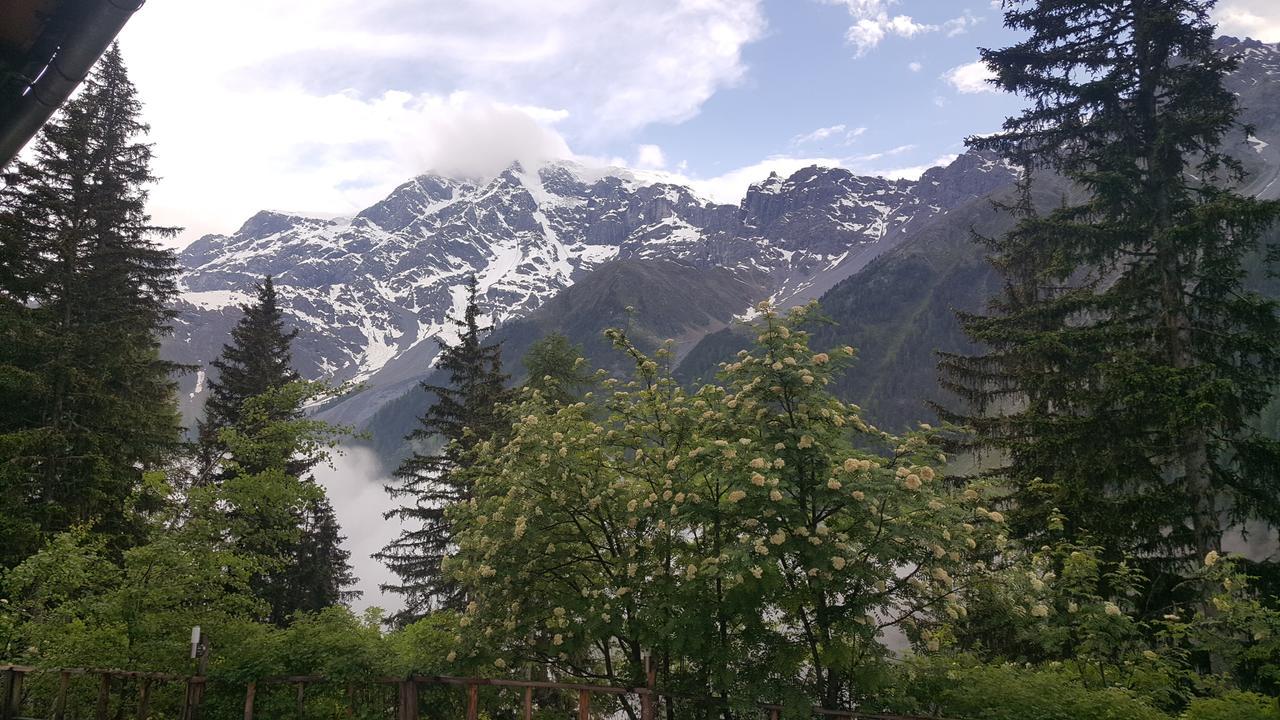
(268,222)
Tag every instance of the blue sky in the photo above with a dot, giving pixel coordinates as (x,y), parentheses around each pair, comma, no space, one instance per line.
(323,106)
(805,76)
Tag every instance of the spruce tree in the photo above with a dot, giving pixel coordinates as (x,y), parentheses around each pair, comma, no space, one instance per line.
(251,396)
(258,358)
(467,411)
(1128,364)
(320,574)
(84,295)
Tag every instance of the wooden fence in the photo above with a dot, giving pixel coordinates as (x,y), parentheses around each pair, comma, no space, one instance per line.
(14,681)
(406,704)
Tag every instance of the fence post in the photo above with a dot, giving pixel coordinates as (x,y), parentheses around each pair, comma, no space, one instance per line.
(250,691)
(195,698)
(15,686)
(302,701)
(473,701)
(60,702)
(144,699)
(408,700)
(12,700)
(584,705)
(528,703)
(648,698)
(104,698)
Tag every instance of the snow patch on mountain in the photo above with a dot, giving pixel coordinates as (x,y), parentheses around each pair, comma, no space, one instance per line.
(215,299)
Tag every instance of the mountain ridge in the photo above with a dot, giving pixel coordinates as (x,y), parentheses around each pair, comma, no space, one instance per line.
(369,293)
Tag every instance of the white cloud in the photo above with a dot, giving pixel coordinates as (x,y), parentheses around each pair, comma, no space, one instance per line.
(841,132)
(1258,19)
(329,154)
(861,159)
(970,78)
(731,186)
(325,104)
(960,25)
(913,172)
(818,135)
(915,66)
(650,157)
(872,23)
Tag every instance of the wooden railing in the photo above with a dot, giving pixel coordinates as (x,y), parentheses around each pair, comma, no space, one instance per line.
(14,678)
(407,705)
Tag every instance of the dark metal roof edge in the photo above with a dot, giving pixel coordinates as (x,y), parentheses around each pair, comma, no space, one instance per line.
(75,57)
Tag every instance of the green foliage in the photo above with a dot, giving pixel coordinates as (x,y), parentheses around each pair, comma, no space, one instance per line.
(557,370)
(272,514)
(598,528)
(963,688)
(466,412)
(73,606)
(1062,606)
(332,642)
(1234,706)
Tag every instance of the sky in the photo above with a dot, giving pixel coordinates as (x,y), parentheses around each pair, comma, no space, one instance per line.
(321,107)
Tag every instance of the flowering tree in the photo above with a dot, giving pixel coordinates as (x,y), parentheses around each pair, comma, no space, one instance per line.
(744,535)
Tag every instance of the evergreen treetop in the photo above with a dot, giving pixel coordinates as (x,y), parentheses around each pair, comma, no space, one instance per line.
(467,411)
(258,359)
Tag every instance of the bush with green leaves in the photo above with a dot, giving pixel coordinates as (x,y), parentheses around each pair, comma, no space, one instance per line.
(1063,606)
(963,687)
(1234,706)
(742,534)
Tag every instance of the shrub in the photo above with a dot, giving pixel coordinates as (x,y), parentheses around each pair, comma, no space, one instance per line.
(962,689)
(1234,706)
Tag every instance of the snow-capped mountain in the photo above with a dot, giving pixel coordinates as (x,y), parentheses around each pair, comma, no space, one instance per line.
(369,294)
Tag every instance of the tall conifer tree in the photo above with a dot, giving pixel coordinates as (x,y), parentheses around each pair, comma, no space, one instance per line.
(1128,362)
(314,570)
(258,358)
(89,404)
(467,411)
